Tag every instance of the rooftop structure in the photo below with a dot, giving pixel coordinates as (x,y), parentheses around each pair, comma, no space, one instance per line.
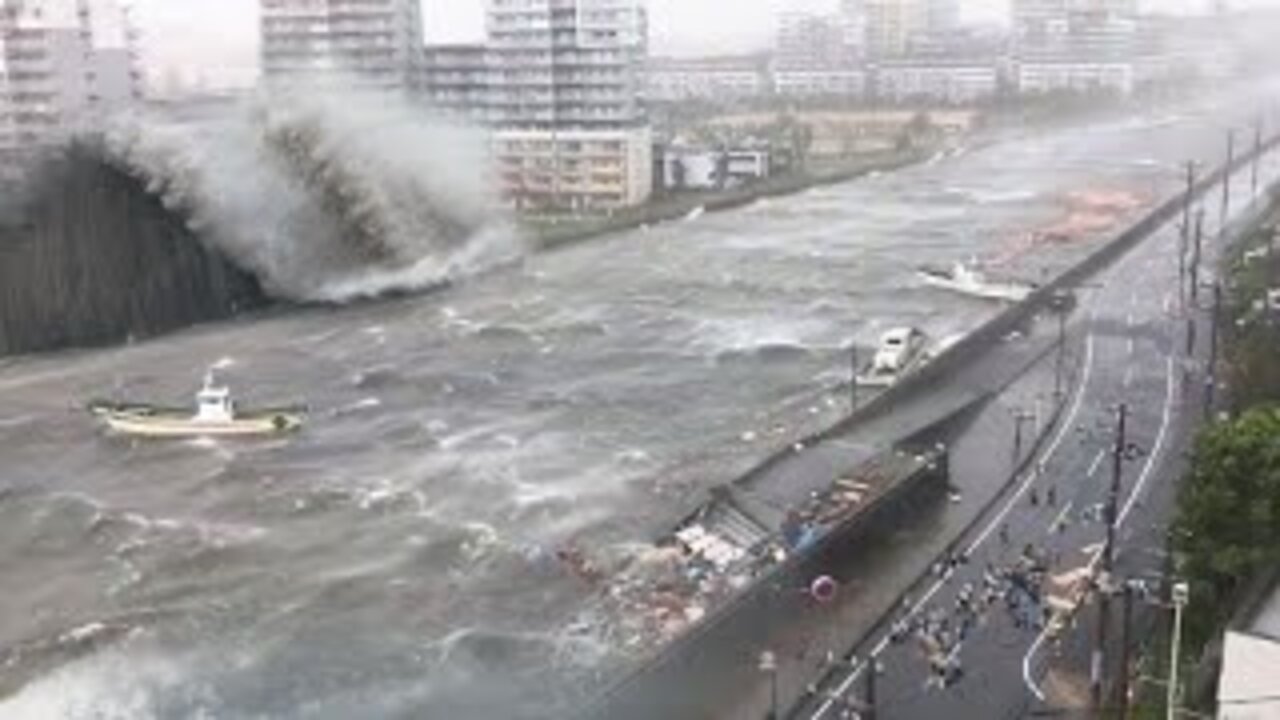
(1250,658)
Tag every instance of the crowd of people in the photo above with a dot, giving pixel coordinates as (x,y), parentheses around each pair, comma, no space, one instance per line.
(940,631)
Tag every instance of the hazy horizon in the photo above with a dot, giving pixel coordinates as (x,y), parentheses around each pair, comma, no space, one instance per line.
(221,47)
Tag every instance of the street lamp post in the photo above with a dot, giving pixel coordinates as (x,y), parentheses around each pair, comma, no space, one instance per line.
(1061,305)
(853,378)
(769,665)
(1181,593)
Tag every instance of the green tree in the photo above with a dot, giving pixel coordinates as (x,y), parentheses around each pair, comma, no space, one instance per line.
(1227,527)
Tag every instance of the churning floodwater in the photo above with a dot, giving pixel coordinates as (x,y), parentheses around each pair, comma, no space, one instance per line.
(398,557)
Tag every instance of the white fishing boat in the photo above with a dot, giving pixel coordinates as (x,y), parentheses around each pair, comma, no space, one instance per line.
(970,281)
(215,415)
(902,350)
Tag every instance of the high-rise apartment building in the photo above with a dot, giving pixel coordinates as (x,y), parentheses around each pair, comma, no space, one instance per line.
(942,17)
(893,25)
(369,42)
(818,55)
(561,84)
(567,102)
(563,63)
(1075,45)
(807,41)
(64,65)
(459,79)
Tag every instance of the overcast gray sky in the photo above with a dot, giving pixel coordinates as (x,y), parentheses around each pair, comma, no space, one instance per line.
(191,39)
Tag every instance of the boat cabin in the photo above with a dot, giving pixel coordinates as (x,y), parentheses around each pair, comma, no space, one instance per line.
(214,404)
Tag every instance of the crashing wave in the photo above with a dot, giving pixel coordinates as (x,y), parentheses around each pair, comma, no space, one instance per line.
(324,196)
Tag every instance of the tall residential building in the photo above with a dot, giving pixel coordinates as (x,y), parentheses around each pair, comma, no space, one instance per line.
(853,17)
(818,55)
(807,41)
(566,100)
(64,65)
(459,79)
(1079,46)
(893,25)
(576,63)
(116,79)
(373,42)
(942,17)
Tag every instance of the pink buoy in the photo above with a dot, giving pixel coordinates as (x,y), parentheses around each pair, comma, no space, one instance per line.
(824,589)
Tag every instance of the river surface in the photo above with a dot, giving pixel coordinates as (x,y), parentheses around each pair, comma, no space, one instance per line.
(398,558)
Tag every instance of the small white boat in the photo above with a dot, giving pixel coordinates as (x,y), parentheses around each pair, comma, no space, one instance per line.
(902,350)
(969,281)
(216,415)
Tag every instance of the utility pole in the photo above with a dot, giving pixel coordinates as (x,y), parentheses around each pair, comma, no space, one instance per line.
(1226,178)
(1019,417)
(1122,699)
(1195,258)
(870,713)
(1185,235)
(1211,377)
(1181,594)
(1190,196)
(1257,153)
(853,378)
(1096,669)
(768,664)
(1060,304)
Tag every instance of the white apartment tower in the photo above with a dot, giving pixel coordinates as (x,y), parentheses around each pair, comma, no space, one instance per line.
(806,41)
(892,26)
(568,63)
(566,102)
(64,66)
(372,42)
(1078,46)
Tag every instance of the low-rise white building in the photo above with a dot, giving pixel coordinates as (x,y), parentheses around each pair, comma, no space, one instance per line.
(953,83)
(700,168)
(1080,77)
(1251,662)
(820,83)
(582,170)
(719,78)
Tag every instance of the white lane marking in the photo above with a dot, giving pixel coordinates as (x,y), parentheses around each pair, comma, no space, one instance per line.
(1064,428)
(1143,477)
(1093,466)
(1128,327)
(1026,664)
(1062,516)
(1157,449)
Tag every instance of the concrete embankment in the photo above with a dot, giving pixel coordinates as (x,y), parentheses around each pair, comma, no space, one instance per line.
(551,232)
(682,665)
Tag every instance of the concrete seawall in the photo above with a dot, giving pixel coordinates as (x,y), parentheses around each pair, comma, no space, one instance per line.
(684,679)
(551,237)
